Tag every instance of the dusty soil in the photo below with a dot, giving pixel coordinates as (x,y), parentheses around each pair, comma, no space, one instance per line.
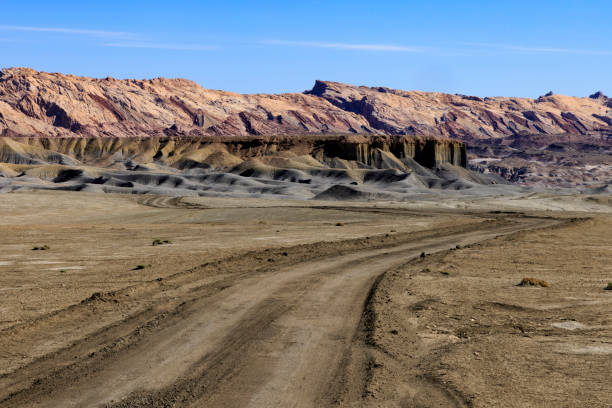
(453,329)
(272,303)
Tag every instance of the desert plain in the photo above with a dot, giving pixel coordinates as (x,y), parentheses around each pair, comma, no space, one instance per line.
(146,300)
(167,245)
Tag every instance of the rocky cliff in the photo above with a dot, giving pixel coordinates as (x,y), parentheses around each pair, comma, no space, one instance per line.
(309,166)
(218,152)
(41,104)
(469,117)
(38,104)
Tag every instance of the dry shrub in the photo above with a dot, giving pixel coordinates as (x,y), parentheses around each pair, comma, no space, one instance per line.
(533,282)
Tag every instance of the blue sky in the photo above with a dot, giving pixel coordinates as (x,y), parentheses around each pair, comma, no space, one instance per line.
(511,48)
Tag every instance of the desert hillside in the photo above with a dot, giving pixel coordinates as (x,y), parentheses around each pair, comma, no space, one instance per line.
(43,104)
(553,140)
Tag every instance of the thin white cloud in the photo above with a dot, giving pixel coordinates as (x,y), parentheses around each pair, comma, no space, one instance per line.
(75,31)
(163,46)
(546,50)
(119,38)
(345,46)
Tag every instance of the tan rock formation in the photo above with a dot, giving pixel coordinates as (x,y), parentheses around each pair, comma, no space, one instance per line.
(469,117)
(225,153)
(41,104)
(551,140)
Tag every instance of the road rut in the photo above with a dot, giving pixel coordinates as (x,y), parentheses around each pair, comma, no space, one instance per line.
(276,339)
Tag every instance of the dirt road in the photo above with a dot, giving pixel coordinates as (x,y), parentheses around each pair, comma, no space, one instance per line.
(245,336)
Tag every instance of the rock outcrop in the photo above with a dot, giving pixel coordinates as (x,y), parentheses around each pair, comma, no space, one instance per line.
(353,167)
(41,104)
(44,105)
(367,151)
(468,117)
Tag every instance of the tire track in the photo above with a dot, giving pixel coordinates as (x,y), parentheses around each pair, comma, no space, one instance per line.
(216,343)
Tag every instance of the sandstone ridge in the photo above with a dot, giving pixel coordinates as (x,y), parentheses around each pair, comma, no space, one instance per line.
(36,103)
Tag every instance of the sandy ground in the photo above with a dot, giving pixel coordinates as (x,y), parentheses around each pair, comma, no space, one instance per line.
(302,303)
(96,240)
(454,329)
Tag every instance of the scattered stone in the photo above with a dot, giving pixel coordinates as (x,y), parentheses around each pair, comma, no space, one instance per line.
(569,325)
(94,296)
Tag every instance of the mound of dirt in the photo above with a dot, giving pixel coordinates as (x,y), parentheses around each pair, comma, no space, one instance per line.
(339,192)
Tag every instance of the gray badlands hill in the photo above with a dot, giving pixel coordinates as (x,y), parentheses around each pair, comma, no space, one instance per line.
(309,166)
(554,139)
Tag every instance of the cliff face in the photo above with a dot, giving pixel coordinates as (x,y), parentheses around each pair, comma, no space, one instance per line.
(520,135)
(371,151)
(469,117)
(428,152)
(40,104)
(51,105)
(310,166)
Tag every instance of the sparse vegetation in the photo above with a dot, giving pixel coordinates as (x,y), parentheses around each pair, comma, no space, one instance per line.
(41,248)
(139,267)
(94,296)
(533,282)
(339,224)
(161,242)
(446,273)
(609,287)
